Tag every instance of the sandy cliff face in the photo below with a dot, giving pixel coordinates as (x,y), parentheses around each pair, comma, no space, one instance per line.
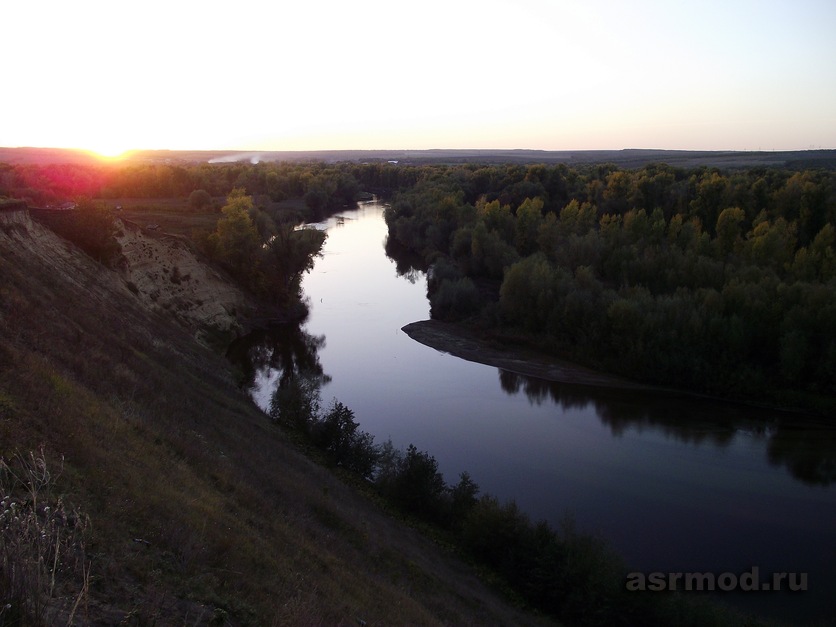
(160,272)
(165,274)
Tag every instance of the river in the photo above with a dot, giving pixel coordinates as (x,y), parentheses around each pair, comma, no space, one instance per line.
(674,484)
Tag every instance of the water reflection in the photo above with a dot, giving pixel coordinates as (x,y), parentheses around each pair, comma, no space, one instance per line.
(408,264)
(281,369)
(805,449)
(809,454)
(539,391)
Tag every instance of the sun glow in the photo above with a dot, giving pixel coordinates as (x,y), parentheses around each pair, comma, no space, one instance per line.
(722,82)
(110,152)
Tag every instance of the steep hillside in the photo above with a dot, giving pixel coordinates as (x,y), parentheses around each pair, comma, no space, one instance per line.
(200,509)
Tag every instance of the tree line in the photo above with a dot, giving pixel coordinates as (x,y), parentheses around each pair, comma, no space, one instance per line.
(719,282)
(322,186)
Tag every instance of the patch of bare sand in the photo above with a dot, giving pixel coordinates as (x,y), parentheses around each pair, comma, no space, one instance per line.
(458,341)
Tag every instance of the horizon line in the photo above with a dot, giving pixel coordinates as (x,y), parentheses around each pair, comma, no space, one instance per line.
(439,149)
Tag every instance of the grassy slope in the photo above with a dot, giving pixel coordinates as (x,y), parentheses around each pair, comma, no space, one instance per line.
(159,445)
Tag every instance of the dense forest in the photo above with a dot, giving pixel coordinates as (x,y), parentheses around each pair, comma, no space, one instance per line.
(717,281)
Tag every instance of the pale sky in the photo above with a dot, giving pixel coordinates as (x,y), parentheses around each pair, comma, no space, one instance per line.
(368,74)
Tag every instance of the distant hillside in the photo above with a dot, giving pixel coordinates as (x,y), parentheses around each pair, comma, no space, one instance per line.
(629,158)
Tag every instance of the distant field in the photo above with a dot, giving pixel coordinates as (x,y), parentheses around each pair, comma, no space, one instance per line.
(172,215)
(166,204)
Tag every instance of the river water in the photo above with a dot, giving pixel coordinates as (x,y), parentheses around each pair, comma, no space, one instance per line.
(674,484)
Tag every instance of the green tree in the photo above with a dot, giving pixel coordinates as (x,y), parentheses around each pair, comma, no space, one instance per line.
(455,299)
(771,244)
(498,219)
(463,498)
(728,230)
(490,253)
(418,486)
(316,199)
(822,250)
(711,192)
(290,253)
(236,237)
(530,293)
(577,218)
(617,193)
(529,218)
(337,433)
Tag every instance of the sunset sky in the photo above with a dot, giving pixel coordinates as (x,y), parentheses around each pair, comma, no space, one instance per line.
(368,74)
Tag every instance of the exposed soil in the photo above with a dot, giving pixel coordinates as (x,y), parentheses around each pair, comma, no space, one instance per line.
(164,273)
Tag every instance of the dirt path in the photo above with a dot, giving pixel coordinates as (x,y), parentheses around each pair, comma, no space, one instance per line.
(458,341)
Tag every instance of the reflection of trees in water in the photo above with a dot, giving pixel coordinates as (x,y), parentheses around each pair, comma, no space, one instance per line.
(808,452)
(293,355)
(408,263)
(538,391)
(682,419)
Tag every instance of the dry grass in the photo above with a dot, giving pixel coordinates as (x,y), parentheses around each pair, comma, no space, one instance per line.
(176,219)
(201,509)
(44,574)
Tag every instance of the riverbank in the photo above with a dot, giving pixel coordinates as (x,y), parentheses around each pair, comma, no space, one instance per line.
(465,344)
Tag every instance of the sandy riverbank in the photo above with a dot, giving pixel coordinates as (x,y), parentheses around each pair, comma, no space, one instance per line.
(458,341)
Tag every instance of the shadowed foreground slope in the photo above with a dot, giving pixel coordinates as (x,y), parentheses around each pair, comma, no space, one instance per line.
(200,508)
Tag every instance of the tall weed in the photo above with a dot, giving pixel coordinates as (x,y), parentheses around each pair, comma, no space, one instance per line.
(43,567)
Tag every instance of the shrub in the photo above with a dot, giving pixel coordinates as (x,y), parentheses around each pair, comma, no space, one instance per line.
(338,435)
(199,200)
(91,227)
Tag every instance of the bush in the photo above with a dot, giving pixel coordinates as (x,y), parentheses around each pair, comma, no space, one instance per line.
(338,435)
(91,227)
(199,200)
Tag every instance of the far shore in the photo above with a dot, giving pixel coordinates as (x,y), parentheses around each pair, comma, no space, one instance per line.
(459,341)
(462,342)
